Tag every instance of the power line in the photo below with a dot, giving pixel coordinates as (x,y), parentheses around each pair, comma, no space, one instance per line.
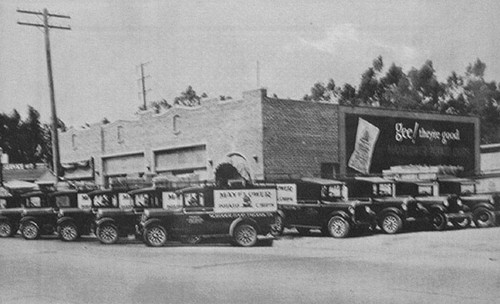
(46,26)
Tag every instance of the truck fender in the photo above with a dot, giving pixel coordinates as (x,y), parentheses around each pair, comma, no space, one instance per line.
(153,221)
(65,219)
(106,220)
(486,205)
(240,220)
(382,213)
(27,219)
(340,213)
(438,208)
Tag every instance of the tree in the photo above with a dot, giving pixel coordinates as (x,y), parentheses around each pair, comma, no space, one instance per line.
(188,98)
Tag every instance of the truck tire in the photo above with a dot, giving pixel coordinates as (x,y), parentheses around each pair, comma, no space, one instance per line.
(68,232)
(245,235)
(107,233)
(6,229)
(30,231)
(338,227)
(483,217)
(438,220)
(391,223)
(155,236)
(278,225)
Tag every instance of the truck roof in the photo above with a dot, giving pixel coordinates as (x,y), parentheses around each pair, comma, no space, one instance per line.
(374,179)
(321,181)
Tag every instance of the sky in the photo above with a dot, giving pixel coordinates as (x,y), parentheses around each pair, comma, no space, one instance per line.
(214,46)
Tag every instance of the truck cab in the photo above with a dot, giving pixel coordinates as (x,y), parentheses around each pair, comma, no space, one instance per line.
(123,219)
(315,203)
(243,213)
(392,211)
(442,208)
(485,208)
(39,216)
(10,213)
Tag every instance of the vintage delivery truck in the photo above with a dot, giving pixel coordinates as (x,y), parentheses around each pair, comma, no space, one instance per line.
(242,213)
(315,203)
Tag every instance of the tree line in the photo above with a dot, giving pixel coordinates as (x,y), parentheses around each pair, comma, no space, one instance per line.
(419,90)
(25,141)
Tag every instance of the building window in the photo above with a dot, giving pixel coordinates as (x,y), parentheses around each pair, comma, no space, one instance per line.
(329,170)
(73,141)
(119,134)
(176,124)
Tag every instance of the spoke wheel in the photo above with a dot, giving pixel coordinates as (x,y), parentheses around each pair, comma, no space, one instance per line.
(338,227)
(438,221)
(155,236)
(484,218)
(107,234)
(391,223)
(5,229)
(68,232)
(30,231)
(245,235)
(277,227)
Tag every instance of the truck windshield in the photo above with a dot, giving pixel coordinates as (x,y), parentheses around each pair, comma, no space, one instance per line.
(105,200)
(333,191)
(467,189)
(425,190)
(385,189)
(146,200)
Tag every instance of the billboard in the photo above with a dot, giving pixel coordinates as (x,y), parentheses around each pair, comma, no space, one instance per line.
(245,200)
(375,143)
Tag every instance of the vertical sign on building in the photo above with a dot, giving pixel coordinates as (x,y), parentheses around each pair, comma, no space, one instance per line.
(366,138)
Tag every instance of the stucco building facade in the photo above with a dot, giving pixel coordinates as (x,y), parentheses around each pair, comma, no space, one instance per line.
(268,138)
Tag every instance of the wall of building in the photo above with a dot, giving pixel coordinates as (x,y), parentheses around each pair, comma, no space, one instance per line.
(299,138)
(213,130)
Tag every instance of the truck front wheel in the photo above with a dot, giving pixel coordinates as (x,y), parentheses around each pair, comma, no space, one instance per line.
(155,236)
(483,218)
(338,227)
(391,223)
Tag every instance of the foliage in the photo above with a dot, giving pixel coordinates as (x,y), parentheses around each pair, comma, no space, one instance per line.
(420,90)
(25,141)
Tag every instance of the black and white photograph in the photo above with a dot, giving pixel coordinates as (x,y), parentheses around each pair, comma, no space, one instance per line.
(229,151)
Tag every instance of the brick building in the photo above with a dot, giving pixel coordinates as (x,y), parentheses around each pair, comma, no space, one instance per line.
(268,138)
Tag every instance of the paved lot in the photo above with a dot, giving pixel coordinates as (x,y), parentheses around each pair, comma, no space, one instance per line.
(457,266)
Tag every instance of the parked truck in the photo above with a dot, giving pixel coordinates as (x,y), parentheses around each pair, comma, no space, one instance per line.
(242,213)
(315,203)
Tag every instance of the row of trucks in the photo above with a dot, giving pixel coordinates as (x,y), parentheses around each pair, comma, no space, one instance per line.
(246,214)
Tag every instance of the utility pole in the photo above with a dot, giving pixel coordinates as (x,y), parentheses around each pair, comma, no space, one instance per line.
(55,137)
(143,85)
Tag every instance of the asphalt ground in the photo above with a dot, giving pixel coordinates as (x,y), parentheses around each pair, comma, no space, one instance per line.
(454,266)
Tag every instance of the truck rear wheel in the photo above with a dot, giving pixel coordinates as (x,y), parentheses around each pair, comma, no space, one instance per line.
(438,220)
(5,229)
(245,235)
(483,218)
(278,226)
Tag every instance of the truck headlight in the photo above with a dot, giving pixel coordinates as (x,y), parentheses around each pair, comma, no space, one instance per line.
(351,209)
(368,209)
(446,203)
(459,202)
(492,201)
(404,206)
(144,217)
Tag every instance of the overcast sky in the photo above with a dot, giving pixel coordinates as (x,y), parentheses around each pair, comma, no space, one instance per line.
(214,46)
